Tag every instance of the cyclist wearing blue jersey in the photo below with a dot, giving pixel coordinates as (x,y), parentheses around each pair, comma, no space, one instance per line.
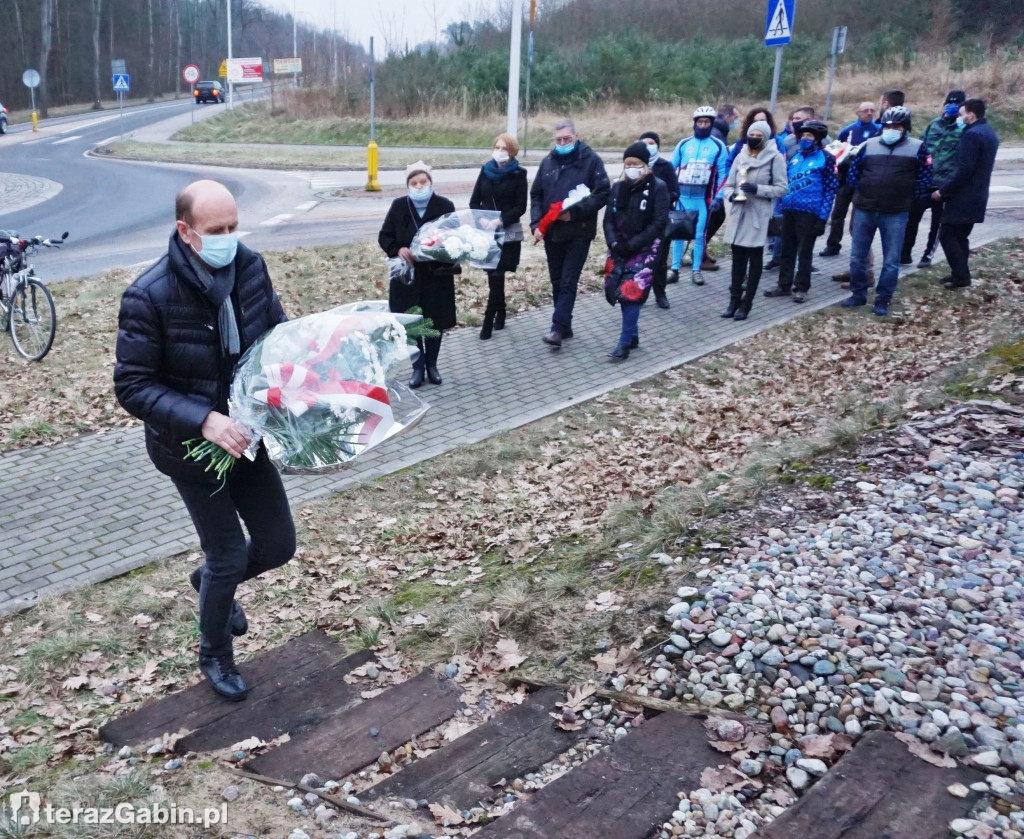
(700,167)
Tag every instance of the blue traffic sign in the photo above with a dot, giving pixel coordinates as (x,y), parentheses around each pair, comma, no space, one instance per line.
(778,27)
(122,83)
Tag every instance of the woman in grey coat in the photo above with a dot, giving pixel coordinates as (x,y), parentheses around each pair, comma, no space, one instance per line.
(756,181)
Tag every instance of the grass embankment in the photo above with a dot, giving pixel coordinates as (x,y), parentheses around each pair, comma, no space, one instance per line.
(529,536)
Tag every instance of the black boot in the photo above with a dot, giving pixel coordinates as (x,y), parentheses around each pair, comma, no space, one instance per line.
(499,318)
(730,310)
(239,622)
(488,327)
(417,377)
(433,348)
(223,676)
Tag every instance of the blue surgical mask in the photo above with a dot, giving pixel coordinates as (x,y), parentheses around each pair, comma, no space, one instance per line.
(806,145)
(653,150)
(734,125)
(951,111)
(961,122)
(565,149)
(891,136)
(217,250)
(421,194)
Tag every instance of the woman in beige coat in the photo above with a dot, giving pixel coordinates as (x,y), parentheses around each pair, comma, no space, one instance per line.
(756,181)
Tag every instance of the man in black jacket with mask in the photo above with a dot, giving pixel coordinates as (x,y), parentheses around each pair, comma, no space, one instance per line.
(182,326)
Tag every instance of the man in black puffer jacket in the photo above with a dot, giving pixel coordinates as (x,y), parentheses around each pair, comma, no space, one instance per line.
(182,326)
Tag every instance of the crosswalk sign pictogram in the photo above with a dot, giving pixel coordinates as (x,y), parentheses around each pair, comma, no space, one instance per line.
(778,28)
(122,83)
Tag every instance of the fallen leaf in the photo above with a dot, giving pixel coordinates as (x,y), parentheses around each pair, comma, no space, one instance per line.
(921,750)
(445,816)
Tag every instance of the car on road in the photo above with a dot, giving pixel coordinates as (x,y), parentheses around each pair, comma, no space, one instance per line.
(208,92)
(3,119)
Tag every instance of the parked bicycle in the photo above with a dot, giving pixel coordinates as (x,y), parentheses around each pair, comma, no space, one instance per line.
(26,305)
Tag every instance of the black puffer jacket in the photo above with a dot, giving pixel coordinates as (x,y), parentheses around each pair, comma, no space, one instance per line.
(557,175)
(171,371)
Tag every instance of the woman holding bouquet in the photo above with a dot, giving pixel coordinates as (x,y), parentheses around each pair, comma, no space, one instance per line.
(633,225)
(501,186)
(433,283)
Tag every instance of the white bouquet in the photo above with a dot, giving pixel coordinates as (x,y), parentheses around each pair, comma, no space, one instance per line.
(464,236)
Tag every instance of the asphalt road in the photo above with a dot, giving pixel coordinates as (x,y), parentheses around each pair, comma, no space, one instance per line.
(120,213)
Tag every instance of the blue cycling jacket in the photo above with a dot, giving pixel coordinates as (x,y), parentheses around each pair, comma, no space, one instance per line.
(813,181)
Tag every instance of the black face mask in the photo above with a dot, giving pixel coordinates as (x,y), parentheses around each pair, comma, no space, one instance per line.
(797,126)
(755,143)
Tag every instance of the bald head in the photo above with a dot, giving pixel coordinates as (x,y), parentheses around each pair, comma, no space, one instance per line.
(201,198)
(866,111)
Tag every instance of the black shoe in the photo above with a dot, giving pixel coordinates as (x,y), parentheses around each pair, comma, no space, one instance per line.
(906,259)
(621,351)
(634,342)
(239,623)
(799,296)
(951,283)
(567,334)
(772,265)
(488,327)
(432,375)
(417,378)
(730,310)
(662,301)
(499,319)
(553,338)
(778,291)
(223,676)
(741,313)
(925,262)
(830,250)
(672,278)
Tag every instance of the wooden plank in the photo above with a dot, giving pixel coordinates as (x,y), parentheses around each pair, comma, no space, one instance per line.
(465,771)
(342,743)
(878,790)
(198,706)
(625,792)
(293,707)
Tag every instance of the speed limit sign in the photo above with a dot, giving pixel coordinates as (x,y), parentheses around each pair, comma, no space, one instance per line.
(190,74)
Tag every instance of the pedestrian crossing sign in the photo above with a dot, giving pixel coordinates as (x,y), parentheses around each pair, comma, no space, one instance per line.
(778,28)
(122,83)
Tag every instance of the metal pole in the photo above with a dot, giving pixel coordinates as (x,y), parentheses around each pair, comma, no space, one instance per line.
(334,41)
(515,47)
(775,78)
(529,67)
(372,159)
(373,115)
(120,105)
(295,30)
(231,86)
(828,91)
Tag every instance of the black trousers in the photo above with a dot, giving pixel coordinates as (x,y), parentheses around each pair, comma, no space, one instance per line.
(429,349)
(797,250)
(747,264)
(659,269)
(565,264)
(716,218)
(840,208)
(495,291)
(253,494)
(954,239)
(917,211)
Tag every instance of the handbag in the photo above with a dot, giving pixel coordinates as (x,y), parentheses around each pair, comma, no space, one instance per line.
(514,232)
(775,226)
(682,224)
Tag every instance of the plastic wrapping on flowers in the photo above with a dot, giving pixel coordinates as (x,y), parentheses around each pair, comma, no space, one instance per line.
(470,236)
(315,389)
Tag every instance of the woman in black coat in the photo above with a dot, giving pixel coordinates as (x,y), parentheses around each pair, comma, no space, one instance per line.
(634,223)
(433,284)
(501,186)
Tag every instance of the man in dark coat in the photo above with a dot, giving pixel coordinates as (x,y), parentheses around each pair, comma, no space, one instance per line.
(964,196)
(567,243)
(664,172)
(182,326)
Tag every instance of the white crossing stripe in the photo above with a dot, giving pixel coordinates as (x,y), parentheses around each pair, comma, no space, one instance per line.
(270,222)
(66,140)
(306,207)
(1004,188)
(319,182)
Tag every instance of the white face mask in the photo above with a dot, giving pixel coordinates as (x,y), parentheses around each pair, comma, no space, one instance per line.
(652,149)
(500,156)
(633,172)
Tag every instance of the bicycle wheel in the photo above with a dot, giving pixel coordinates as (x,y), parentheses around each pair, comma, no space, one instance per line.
(33,319)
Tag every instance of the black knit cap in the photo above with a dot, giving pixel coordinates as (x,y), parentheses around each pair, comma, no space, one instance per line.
(638,150)
(955,97)
(652,135)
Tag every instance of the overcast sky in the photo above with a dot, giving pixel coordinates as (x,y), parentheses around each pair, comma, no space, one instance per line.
(394,21)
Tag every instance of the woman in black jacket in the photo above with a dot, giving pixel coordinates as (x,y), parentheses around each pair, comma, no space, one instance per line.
(633,225)
(501,186)
(433,283)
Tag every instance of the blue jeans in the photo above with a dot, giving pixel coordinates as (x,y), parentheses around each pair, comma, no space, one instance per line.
(891,227)
(630,322)
(699,203)
(565,264)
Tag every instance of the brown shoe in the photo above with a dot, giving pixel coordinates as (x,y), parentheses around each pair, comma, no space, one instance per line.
(708,263)
(871,279)
(842,278)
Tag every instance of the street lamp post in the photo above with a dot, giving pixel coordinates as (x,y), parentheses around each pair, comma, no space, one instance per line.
(512,122)
(231,86)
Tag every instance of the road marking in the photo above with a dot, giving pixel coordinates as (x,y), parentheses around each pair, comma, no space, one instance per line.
(1003,188)
(306,207)
(66,139)
(270,222)
(89,122)
(320,182)
(109,140)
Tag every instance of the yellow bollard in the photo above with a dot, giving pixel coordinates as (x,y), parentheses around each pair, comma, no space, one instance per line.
(372,184)
(35,121)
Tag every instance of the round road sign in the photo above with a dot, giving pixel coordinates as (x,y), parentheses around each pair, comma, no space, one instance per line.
(190,74)
(30,78)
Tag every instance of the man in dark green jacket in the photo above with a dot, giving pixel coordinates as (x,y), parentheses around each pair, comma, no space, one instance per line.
(940,138)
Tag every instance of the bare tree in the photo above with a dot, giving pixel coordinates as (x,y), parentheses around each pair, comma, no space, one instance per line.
(45,45)
(97,20)
(21,31)
(152,56)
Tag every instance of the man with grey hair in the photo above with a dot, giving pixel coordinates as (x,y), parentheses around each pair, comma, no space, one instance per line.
(570,163)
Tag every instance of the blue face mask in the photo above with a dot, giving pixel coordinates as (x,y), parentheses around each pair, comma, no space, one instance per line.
(217,250)
(734,125)
(806,145)
(568,147)
(421,194)
(891,136)
(951,111)
(961,122)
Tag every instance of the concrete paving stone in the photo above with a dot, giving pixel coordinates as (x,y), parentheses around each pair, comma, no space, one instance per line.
(7,572)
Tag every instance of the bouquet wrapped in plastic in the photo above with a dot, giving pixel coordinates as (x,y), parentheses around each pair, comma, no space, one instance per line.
(315,389)
(576,194)
(473,236)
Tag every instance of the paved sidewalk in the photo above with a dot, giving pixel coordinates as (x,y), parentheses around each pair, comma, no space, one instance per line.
(94,507)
